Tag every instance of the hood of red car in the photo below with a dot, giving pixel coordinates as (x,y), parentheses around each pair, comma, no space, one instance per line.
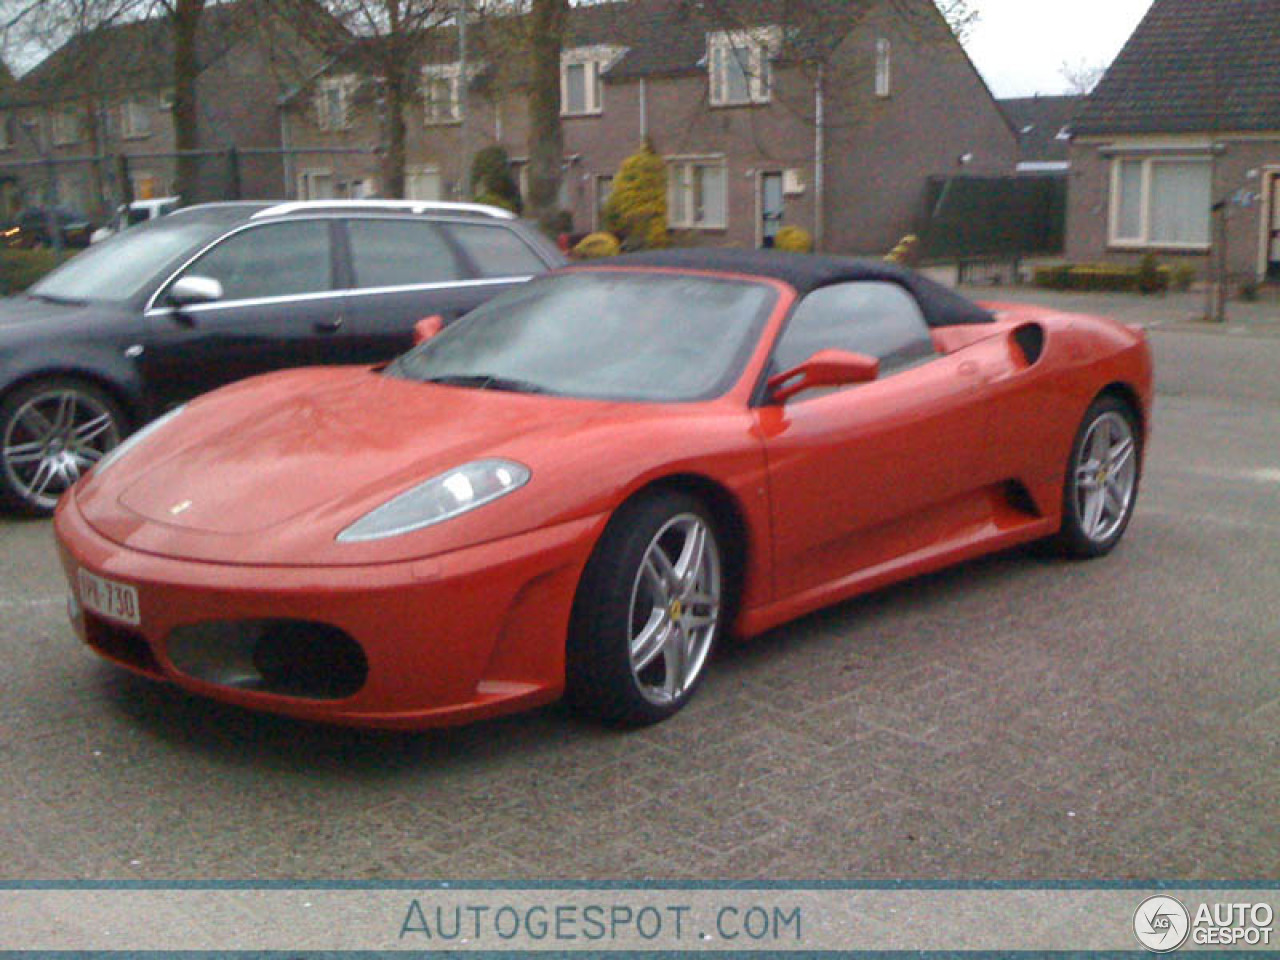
(274,468)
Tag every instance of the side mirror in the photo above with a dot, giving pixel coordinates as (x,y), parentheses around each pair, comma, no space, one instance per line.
(826,368)
(189,290)
(426,328)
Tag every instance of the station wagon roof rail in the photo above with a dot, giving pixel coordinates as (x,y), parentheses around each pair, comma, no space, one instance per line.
(410,206)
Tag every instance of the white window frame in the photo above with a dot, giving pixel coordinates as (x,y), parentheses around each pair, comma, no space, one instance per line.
(680,176)
(135,120)
(595,61)
(884,68)
(65,127)
(326,117)
(760,45)
(451,73)
(416,173)
(308,176)
(1144,241)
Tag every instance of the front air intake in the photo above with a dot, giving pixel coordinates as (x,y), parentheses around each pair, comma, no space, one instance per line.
(293,658)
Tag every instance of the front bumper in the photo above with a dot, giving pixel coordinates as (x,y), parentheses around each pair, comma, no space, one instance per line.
(451,639)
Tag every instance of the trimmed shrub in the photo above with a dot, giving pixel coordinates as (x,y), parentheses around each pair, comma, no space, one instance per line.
(491,179)
(1149,279)
(636,211)
(1101,277)
(1182,276)
(493,200)
(596,245)
(20,268)
(794,240)
(906,252)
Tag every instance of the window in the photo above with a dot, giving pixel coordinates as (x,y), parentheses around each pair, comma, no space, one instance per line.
(738,65)
(1161,201)
(441,93)
(399,253)
(333,102)
(495,251)
(135,120)
(884,68)
(66,127)
(315,185)
(422,183)
(696,194)
(581,87)
(880,320)
(276,260)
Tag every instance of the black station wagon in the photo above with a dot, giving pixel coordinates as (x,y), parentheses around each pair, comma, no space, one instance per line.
(214,293)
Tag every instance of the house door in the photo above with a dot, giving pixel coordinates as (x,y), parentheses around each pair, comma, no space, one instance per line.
(771,207)
(1273,246)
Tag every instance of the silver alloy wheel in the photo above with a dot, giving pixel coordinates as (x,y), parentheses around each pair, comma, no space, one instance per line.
(675,608)
(53,438)
(1106,472)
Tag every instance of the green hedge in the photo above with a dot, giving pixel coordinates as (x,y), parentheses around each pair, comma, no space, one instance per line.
(20,268)
(1109,277)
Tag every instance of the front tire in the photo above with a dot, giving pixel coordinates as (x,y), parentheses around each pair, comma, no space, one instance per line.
(1101,486)
(648,612)
(51,432)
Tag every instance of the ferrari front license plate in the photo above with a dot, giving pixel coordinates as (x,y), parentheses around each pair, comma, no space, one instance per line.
(115,601)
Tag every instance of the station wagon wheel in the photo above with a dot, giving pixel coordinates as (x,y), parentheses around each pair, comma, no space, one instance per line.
(1102,479)
(648,611)
(51,432)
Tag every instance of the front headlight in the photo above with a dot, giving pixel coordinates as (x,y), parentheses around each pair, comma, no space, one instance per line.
(440,498)
(116,453)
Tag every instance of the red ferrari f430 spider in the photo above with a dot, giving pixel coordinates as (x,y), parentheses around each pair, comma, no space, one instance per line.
(580,487)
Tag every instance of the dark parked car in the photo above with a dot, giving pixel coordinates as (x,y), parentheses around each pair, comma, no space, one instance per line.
(215,293)
(32,228)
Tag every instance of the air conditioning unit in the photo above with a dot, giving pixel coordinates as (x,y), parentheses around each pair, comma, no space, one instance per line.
(793,182)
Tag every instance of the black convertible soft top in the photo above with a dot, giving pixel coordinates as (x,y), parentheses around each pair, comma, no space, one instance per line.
(806,272)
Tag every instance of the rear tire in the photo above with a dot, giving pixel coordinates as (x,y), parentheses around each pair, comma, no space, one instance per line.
(1101,486)
(52,431)
(649,609)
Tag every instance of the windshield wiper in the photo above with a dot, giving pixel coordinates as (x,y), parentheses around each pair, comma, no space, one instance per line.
(488,381)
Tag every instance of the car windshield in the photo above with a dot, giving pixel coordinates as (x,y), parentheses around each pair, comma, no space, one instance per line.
(645,337)
(120,268)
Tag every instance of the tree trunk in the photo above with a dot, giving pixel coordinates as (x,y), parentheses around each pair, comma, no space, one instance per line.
(186,125)
(546,138)
(394,159)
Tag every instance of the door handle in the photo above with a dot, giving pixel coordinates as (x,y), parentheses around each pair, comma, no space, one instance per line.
(968,369)
(332,325)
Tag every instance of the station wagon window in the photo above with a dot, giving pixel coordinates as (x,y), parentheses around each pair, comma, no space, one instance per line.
(877,319)
(280,259)
(496,251)
(399,253)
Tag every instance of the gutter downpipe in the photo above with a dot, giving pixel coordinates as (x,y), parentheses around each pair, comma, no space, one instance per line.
(819,159)
(644,110)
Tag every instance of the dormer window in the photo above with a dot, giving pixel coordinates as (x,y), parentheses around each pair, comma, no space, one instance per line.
(739,65)
(581,79)
(333,102)
(442,93)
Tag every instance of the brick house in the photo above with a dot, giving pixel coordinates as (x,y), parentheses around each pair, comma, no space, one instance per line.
(1187,119)
(108,93)
(755,133)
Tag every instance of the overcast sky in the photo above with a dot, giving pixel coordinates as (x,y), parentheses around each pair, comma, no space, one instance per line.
(1020,45)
